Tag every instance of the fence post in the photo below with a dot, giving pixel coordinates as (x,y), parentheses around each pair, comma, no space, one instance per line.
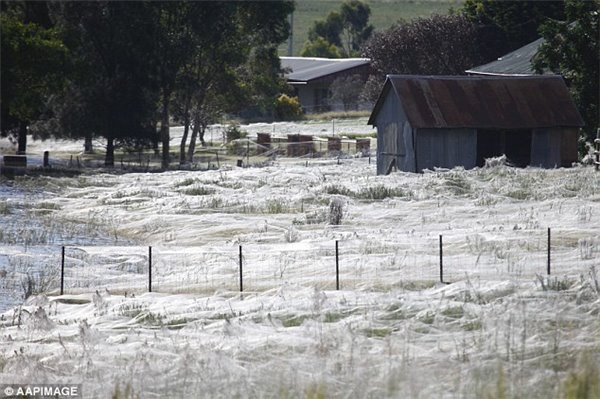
(337,266)
(548,251)
(241,275)
(62,272)
(149,269)
(441,260)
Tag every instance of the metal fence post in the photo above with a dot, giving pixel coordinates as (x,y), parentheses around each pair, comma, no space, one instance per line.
(241,274)
(548,251)
(337,266)
(62,272)
(149,269)
(441,260)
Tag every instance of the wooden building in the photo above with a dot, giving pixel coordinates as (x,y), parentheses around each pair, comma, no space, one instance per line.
(424,122)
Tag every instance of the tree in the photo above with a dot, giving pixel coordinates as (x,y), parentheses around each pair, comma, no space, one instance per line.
(265,26)
(233,65)
(174,26)
(111,92)
(505,25)
(328,29)
(356,29)
(320,47)
(129,62)
(32,63)
(346,90)
(341,32)
(571,48)
(438,45)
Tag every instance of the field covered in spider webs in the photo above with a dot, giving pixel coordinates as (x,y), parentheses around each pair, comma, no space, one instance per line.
(502,328)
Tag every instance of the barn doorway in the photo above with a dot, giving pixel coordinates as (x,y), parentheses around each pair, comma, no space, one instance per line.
(514,143)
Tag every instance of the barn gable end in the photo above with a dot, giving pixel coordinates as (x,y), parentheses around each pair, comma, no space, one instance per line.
(395,134)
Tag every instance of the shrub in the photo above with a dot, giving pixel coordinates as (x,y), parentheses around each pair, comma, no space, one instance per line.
(337,190)
(379,192)
(234,132)
(288,108)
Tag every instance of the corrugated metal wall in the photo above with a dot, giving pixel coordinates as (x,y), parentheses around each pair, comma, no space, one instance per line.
(394,137)
(545,148)
(446,148)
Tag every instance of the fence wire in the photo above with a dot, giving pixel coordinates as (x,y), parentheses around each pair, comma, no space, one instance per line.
(372,264)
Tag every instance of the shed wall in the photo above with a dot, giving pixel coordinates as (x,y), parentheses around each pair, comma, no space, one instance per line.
(394,137)
(568,146)
(446,148)
(545,148)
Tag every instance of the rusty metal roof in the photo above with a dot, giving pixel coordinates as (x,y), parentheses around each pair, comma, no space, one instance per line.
(482,101)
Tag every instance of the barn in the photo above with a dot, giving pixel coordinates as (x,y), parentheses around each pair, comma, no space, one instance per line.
(424,122)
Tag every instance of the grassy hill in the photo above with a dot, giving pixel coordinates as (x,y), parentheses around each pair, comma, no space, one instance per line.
(384,13)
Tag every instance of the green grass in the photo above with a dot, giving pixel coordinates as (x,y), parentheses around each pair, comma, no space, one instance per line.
(294,321)
(377,192)
(199,191)
(377,332)
(384,13)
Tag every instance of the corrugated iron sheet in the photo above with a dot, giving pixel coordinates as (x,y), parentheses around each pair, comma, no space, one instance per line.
(515,63)
(484,102)
(305,69)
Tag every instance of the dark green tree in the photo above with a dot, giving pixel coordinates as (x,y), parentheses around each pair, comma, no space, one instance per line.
(265,25)
(174,27)
(110,92)
(505,25)
(33,56)
(234,64)
(346,31)
(356,29)
(572,48)
(328,29)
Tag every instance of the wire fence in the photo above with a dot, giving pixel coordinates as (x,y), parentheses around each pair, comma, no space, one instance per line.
(371,264)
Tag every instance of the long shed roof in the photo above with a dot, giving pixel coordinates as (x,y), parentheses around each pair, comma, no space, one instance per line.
(515,63)
(482,101)
(305,69)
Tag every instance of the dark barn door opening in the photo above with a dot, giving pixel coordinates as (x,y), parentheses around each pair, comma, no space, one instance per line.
(515,144)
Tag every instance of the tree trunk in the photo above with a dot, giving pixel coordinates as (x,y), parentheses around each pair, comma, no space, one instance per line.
(186,129)
(22,138)
(192,147)
(88,147)
(164,130)
(109,160)
(201,135)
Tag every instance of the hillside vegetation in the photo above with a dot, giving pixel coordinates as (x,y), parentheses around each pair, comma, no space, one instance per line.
(384,13)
